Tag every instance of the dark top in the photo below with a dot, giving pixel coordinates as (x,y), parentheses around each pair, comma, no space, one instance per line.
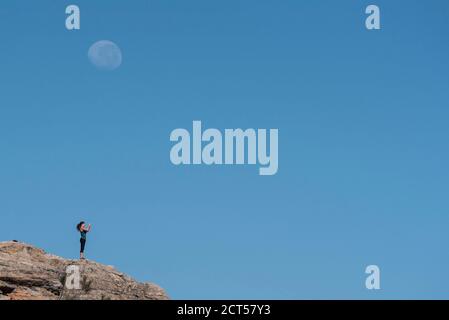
(83,234)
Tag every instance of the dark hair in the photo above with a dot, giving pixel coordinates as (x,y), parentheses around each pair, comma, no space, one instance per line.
(78,226)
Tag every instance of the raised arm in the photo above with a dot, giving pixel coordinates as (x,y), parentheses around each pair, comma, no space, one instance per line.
(83,228)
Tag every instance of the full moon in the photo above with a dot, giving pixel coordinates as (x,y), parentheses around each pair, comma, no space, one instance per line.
(105,55)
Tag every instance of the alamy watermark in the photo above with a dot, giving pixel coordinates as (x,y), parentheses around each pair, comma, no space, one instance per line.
(73,20)
(372,22)
(372,282)
(234,147)
(72,278)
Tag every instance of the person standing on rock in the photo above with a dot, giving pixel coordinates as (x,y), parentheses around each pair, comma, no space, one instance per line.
(81,227)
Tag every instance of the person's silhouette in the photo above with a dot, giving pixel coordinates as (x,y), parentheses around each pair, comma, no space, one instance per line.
(81,227)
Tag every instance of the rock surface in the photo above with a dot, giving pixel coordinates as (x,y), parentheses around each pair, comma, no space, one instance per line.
(28,273)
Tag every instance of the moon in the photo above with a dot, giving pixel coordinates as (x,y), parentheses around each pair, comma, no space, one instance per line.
(105,55)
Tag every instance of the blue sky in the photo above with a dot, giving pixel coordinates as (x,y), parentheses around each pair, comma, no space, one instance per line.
(363,136)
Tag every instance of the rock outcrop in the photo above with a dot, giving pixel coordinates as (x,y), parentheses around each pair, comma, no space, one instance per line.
(28,273)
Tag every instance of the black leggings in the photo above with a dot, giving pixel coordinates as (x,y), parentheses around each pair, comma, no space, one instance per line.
(83,244)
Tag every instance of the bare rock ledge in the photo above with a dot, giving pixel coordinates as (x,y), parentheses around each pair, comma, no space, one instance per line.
(29,273)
